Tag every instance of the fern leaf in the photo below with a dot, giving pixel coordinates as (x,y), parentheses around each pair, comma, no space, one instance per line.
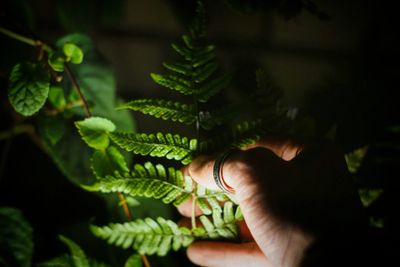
(147,236)
(212,88)
(166,110)
(174,82)
(134,261)
(159,145)
(148,181)
(78,256)
(223,224)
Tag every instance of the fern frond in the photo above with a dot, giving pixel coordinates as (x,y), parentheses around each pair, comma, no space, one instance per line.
(146,187)
(223,223)
(159,145)
(78,255)
(147,236)
(174,82)
(239,136)
(164,109)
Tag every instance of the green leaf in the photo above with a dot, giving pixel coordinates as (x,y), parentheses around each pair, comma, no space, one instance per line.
(164,109)
(29,87)
(78,256)
(56,61)
(134,261)
(95,130)
(16,239)
(147,187)
(106,162)
(61,261)
(83,41)
(56,97)
(73,53)
(159,145)
(174,82)
(147,236)
(54,128)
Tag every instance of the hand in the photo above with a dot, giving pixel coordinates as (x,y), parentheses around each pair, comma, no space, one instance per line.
(287,202)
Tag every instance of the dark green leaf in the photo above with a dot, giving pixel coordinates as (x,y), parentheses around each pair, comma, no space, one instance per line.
(16,239)
(78,256)
(29,87)
(134,261)
(56,97)
(56,61)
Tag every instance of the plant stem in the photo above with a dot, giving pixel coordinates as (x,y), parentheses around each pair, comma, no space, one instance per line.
(124,204)
(16,130)
(193,215)
(78,89)
(25,39)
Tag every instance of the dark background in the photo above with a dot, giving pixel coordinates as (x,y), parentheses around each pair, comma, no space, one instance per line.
(337,62)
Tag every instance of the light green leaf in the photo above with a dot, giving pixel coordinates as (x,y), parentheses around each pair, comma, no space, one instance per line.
(29,87)
(95,131)
(56,60)
(73,53)
(106,162)
(56,97)
(78,256)
(16,239)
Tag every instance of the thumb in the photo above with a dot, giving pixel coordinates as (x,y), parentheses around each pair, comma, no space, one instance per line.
(222,254)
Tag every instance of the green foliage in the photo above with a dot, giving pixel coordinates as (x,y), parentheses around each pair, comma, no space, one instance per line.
(16,239)
(106,162)
(56,60)
(29,87)
(157,145)
(73,53)
(149,181)
(134,261)
(77,258)
(164,109)
(150,236)
(56,97)
(95,130)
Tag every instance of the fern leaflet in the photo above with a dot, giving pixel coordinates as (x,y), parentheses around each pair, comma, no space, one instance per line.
(166,110)
(157,145)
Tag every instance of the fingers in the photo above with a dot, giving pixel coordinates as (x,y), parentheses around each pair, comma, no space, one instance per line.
(221,254)
(239,171)
(186,209)
(284,147)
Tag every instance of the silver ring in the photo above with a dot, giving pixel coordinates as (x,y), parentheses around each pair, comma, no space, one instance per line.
(217,171)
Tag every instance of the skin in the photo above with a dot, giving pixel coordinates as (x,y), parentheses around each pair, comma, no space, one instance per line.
(284,201)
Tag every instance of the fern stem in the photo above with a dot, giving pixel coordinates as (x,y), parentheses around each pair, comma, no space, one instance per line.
(125,207)
(78,89)
(146,262)
(193,215)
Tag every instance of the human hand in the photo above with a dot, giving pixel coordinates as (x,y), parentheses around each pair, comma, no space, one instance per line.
(286,202)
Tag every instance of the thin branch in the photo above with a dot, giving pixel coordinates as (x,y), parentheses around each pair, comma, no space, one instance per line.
(16,130)
(25,39)
(78,89)
(124,204)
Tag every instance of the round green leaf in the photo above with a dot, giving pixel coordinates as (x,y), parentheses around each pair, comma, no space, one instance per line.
(56,61)
(73,52)
(29,87)
(94,131)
